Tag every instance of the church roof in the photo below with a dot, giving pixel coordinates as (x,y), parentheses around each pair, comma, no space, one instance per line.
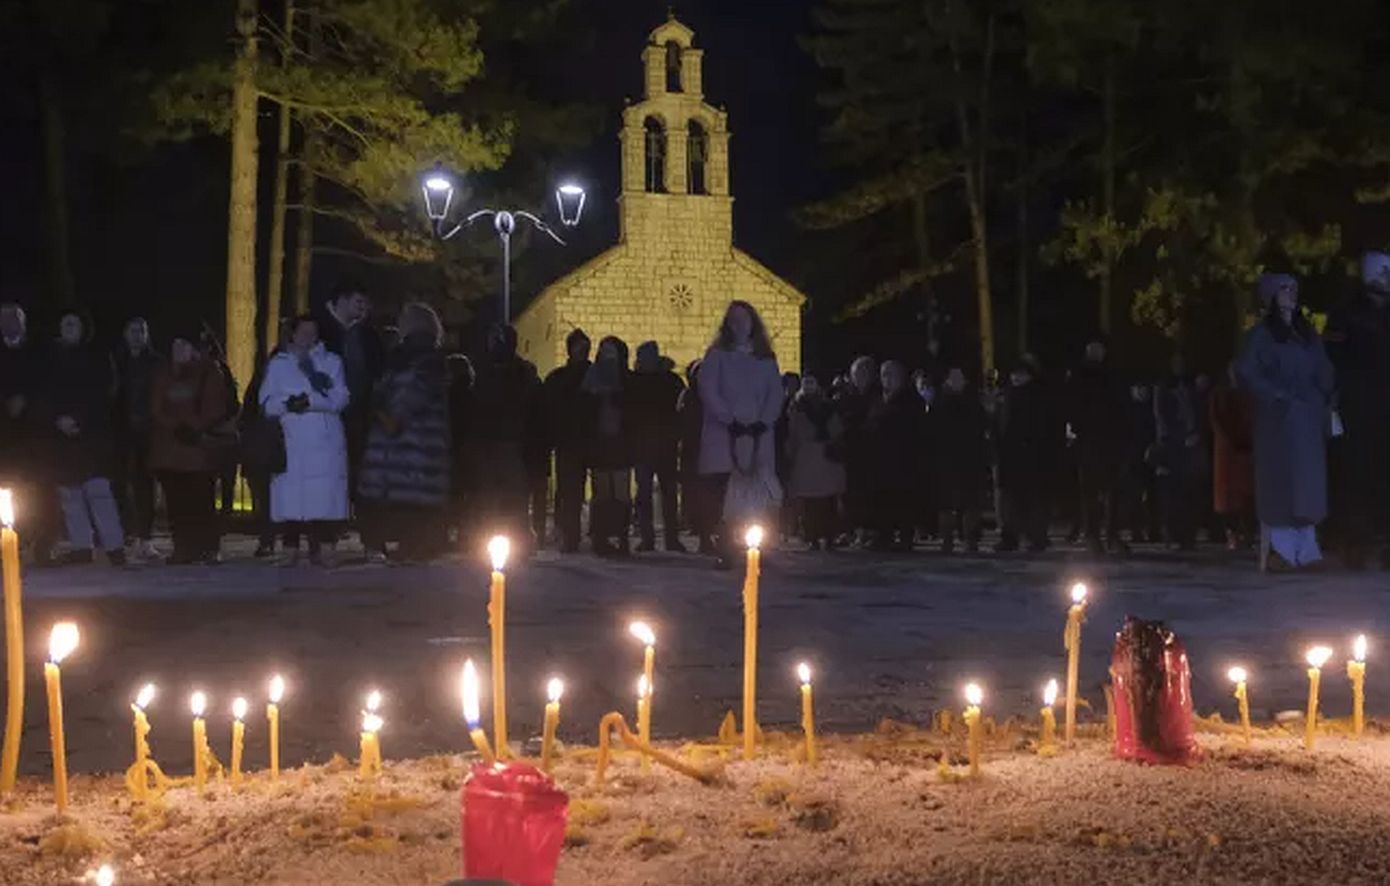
(669,30)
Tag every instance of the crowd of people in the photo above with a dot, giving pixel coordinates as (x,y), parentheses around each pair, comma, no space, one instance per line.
(349,424)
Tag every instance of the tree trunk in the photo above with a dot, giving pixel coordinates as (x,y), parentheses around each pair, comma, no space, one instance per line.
(304,229)
(57,245)
(241,222)
(922,242)
(1107,172)
(1024,242)
(975,147)
(275,274)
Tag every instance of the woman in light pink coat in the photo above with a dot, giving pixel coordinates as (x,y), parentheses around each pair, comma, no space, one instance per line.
(741,391)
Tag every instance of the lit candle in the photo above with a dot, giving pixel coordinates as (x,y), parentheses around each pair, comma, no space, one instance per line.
(14,644)
(498,549)
(140,785)
(61,642)
(198,702)
(974,697)
(272,716)
(239,708)
(754,540)
(472,714)
(1049,720)
(1239,676)
(808,713)
(642,631)
(1317,657)
(1072,641)
(369,766)
(553,690)
(1356,672)
(105,876)
(644,715)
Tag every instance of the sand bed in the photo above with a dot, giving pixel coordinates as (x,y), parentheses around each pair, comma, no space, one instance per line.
(877,810)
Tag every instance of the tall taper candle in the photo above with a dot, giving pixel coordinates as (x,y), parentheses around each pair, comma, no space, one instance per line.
(1317,657)
(1356,672)
(61,643)
(754,540)
(498,549)
(14,644)
(1072,641)
(272,716)
(1238,676)
(808,713)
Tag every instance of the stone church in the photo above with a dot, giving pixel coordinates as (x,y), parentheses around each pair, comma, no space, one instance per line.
(675,267)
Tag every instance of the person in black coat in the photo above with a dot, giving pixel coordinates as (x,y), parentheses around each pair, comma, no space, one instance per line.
(895,437)
(1024,433)
(610,448)
(652,396)
(501,437)
(567,414)
(463,486)
(957,427)
(1358,344)
(77,408)
(23,464)
(1098,415)
(854,401)
(135,364)
(345,328)
(700,511)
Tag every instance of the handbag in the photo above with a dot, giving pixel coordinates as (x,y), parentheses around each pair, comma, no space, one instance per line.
(263,446)
(754,493)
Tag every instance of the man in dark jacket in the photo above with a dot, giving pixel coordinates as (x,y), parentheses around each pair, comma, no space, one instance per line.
(1024,433)
(1358,343)
(345,329)
(956,431)
(853,402)
(895,436)
(1099,424)
(135,364)
(502,436)
(568,417)
(22,462)
(652,394)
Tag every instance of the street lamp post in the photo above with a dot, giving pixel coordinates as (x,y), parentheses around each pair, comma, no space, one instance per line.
(438,191)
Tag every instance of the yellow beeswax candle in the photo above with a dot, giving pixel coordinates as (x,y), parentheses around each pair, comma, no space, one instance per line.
(643,632)
(1239,676)
(61,642)
(1048,745)
(239,708)
(498,549)
(754,540)
(553,690)
(140,786)
(974,697)
(1072,641)
(272,716)
(14,643)
(808,713)
(472,714)
(1317,657)
(198,702)
(1356,672)
(369,764)
(644,719)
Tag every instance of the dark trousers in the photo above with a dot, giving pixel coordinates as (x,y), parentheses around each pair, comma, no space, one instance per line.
(1363,485)
(540,499)
(663,472)
(570,478)
(1025,516)
(259,484)
(317,531)
(134,486)
(820,520)
(188,495)
(422,532)
(968,519)
(894,518)
(610,510)
(1177,495)
(1100,500)
(700,515)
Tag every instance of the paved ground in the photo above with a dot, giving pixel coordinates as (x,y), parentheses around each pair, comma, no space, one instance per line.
(890,636)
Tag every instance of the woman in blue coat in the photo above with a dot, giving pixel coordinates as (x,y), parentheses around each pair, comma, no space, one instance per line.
(1290,380)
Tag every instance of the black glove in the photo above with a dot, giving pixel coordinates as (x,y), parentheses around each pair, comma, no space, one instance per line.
(757,429)
(298,404)
(738,429)
(187,435)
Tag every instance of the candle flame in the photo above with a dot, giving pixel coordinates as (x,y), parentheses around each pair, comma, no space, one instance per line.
(373,701)
(62,641)
(371,722)
(6,508)
(277,689)
(644,687)
(1050,693)
(239,708)
(754,536)
(554,689)
(104,876)
(144,696)
(642,631)
(1237,675)
(1318,656)
(974,695)
(803,672)
(198,701)
(1079,592)
(1358,648)
(470,694)
(498,548)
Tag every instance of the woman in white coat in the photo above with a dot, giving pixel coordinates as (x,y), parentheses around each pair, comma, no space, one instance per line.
(304,388)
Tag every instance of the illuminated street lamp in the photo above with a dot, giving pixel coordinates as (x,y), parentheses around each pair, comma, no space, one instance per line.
(438,190)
